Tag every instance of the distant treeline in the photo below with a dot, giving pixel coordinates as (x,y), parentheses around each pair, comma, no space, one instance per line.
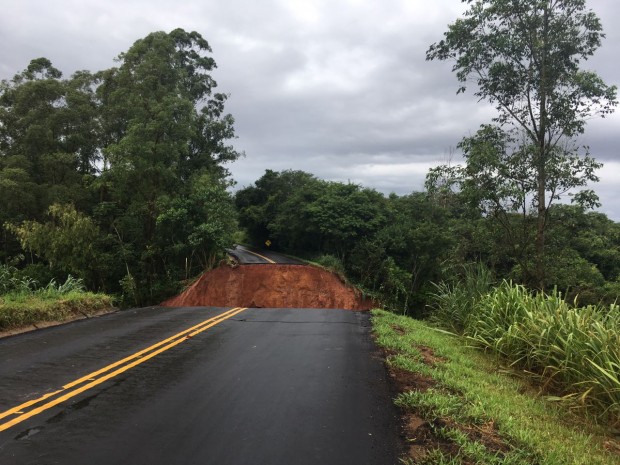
(395,247)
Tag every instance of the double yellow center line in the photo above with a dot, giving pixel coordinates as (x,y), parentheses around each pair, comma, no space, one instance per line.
(33,407)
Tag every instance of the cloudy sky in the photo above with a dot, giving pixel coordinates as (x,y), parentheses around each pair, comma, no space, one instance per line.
(337,88)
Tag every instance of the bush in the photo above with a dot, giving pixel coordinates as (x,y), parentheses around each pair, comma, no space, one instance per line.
(333,264)
(10,281)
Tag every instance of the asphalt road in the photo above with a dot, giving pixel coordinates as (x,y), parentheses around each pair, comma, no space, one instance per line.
(264,386)
(247,255)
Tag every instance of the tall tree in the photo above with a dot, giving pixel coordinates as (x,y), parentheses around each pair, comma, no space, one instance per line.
(524,57)
(163,129)
(48,142)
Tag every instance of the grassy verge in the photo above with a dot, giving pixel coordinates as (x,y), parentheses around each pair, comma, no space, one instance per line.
(22,303)
(573,351)
(18,310)
(462,408)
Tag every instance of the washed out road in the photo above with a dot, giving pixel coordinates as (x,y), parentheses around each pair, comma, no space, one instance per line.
(198,386)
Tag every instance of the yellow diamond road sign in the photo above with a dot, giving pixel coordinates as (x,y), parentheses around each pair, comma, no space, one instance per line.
(267,242)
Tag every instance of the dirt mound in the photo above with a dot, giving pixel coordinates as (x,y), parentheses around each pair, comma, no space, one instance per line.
(273,286)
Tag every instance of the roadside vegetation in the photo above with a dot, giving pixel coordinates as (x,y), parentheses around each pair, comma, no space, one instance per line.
(571,351)
(395,247)
(506,205)
(117,176)
(23,302)
(464,406)
(527,282)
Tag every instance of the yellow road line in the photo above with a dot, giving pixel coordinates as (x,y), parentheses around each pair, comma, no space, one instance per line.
(180,337)
(148,349)
(259,255)
(90,376)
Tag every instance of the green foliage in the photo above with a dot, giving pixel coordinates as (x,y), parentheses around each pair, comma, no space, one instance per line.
(24,301)
(524,58)
(331,263)
(118,175)
(21,309)
(454,302)
(390,247)
(10,281)
(575,350)
(471,396)
(71,284)
(67,241)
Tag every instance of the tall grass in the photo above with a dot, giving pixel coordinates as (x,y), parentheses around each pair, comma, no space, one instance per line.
(23,303)
(453,301)
(574,351)
(10,281)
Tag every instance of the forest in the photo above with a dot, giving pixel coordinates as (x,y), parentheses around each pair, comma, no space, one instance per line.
(396,247)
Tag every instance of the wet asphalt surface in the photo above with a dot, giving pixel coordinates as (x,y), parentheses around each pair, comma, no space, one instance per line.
(250,256)
(267,386)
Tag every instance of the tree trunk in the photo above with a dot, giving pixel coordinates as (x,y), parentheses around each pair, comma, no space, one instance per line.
(542,158)
(541,221)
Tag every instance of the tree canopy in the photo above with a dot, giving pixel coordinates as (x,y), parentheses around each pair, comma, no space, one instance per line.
(133,156)
(525,56)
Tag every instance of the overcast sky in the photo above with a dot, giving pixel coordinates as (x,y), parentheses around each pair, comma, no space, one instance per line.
(337,88)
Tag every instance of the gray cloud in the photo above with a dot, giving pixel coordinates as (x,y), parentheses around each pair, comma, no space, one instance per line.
(340,88)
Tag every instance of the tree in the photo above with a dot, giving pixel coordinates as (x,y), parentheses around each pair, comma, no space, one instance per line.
(500,182)
(524,57)
(163,130)
(118,175)
(67,240)
(48,143)
(271,208)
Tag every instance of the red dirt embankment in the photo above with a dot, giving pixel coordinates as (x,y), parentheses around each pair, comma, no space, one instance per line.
(270,286)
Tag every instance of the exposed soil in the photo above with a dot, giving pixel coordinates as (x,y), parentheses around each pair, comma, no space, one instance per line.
(271,286)
(420,435)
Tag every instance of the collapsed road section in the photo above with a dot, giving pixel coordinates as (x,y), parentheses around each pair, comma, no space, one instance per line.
(271,286)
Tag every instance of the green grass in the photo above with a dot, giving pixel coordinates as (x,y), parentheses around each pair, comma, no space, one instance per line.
(472,390)
(23,304)
(22,309)
(574,351)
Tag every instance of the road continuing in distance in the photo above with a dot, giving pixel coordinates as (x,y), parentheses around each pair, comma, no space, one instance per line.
(265,386)
(247,256)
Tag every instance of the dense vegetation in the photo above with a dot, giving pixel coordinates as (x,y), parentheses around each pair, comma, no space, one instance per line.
(572,351)
(525,58)
(117,177)
(395,247)
(24,302)
(501,209)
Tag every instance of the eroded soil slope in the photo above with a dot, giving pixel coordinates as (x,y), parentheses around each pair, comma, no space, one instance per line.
(270,286)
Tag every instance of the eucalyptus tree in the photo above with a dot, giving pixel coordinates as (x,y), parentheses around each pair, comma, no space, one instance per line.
(525,57)
(164,136)
(48,143)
